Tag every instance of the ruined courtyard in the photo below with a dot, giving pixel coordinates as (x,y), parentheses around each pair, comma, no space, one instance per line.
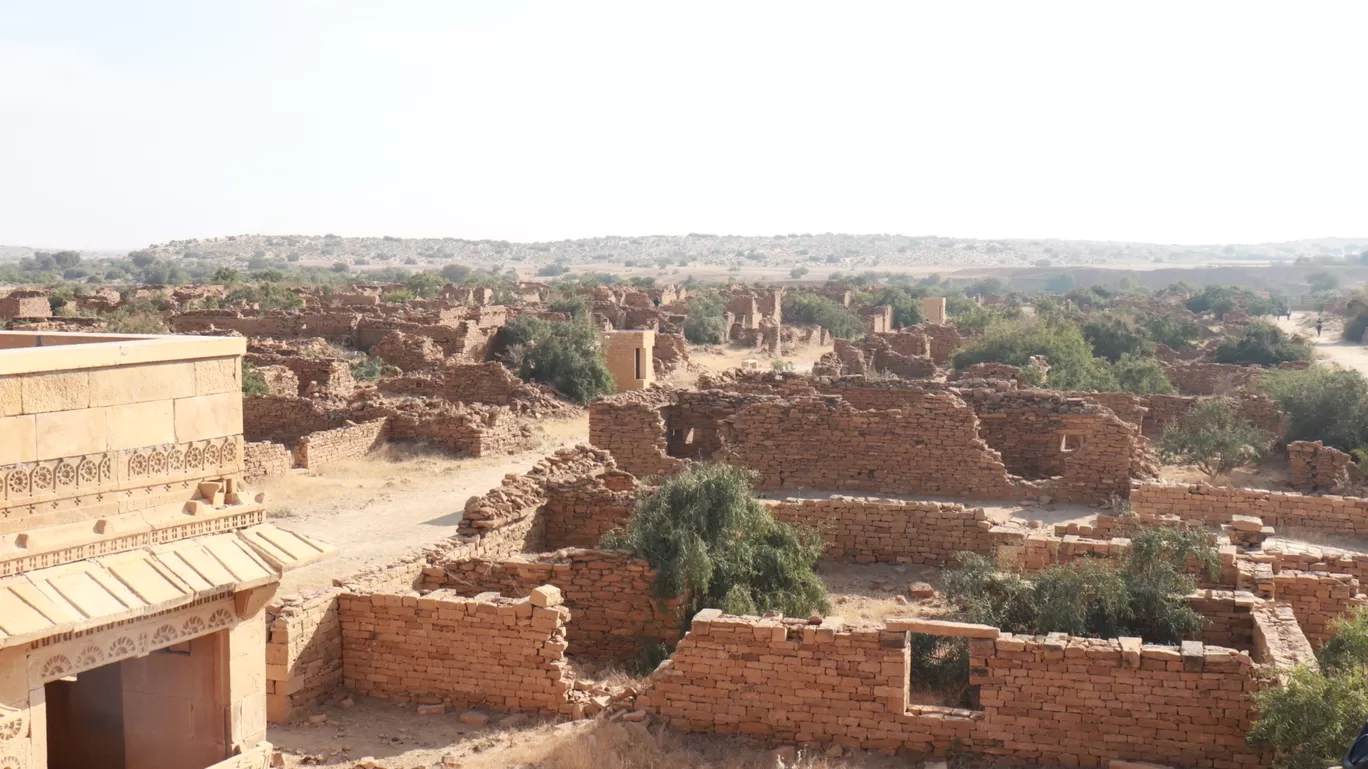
(406,570)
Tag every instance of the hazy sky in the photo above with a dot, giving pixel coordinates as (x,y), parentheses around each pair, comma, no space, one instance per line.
(133,122)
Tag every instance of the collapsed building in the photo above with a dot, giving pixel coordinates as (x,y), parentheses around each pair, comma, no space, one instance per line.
(135,566)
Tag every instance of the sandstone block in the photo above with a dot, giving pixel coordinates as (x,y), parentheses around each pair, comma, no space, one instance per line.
(58,391)
(474,718)
(70,433)
(546,595)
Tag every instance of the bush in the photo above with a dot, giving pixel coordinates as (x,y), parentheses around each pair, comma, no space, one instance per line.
(840,320)
(1262,344)
(706,322)
(552,270)
(567,357)
(1112,336)
(368,369)
(1213,437)
(709,539)
(1072,365)
(907,308)
(798,272)
(1311,720)
(253,382)
(1142,593)
(1175,331)
(1142,376)
(1322,403)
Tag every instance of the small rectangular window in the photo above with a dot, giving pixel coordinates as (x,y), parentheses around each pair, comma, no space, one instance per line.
(638,364)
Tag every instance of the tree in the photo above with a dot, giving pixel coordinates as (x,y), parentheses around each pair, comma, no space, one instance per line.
(1142,376)
(1213,437)
(841,321)
(1322,403)
(709,539)
(455,273)
(1262,344)
(1061,283)
(1072,365)
(798,272)
(567,356)
(907,307)
(1171,329)
(341,267)
(706,322)
(1141,593)
(226,275)
(1322,281)
(1112,336)
(1311,719)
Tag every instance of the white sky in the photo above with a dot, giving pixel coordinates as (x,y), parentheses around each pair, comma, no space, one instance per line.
(134,122)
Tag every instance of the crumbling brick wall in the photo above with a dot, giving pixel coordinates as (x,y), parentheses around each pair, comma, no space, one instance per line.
(1259,410)
(408,352)
(1210,378)
(303,653)
(630,427)
(280,380)
(347,442)
(670,353)
(473,430)
(1317,467)
(1317,598)
(890,530)
(490,382)
(611,596)
(264,459)
(822,443)
(1287,512)
(1041,697)
(579,511)
(942,338)
(285,419)
(502,654)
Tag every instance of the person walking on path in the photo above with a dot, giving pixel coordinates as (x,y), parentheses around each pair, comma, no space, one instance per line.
(1318,326)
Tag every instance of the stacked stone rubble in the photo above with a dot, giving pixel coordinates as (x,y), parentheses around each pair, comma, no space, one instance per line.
(1317,467)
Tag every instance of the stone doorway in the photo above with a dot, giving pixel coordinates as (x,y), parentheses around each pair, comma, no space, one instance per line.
(165,710)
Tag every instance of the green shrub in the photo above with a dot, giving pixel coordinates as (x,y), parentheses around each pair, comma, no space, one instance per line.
(1072,365)
(1142,593)
(1322,403)
(1113,336)
(1310,721)
(368,369)
(1213,437)
(1173,330)
(1142,376)
(907,308)
(706,322)
(711,540)
(567,356)
(840,320)
(1262,344)
(253,382)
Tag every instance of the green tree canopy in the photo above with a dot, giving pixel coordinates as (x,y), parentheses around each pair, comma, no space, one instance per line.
(1262,344)
(1213,437)
(711,540)
(1072,365)
(567,356)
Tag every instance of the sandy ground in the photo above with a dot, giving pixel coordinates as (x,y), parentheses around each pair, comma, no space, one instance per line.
(389,504)
(1329,346)
(397,738)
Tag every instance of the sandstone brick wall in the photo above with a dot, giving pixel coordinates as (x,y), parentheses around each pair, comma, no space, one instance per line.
(889,530)
(1229,618)
(264,459)
(285,419)
(473,430)
(1210,378)
(931,448)
(408,352)
(303,653)
(502,654)
(579,511)
(1317,598)
(1299,556)
(1317,467)
(670,353)
(280,380)
(1260,411)
(1045,700)
(630,427)
(25,307)
(611,596)
(1288,512)
(1278,638)
(944,339)
(490,382)
(349,442)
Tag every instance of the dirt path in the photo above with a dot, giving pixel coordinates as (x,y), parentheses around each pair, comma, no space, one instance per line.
(1329,346)
(388,504)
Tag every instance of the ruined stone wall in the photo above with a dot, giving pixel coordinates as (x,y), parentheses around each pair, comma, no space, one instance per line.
(303,653)
(1043,699)
(285,420)
(1299,556)
(944,339)
(408,352)
(611,596)
(670,353)
(418,385)
(349,442)
(264,459)
(1317,598)
(1258,410)
(25,307)
(1287,512)
(501,654)
(1317,467)
(630,427)
(1210,378)
(930,448)
(889,530)
(579,511)
(1229,617)
(480,383)
(280,380)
